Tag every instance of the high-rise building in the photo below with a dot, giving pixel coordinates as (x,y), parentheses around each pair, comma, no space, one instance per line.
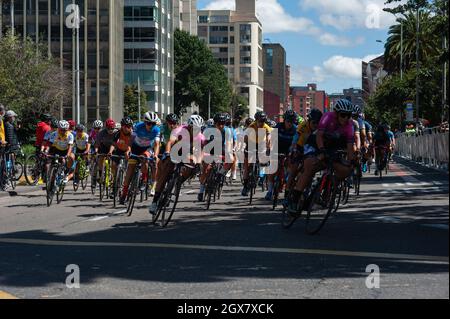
(185,15)
(373,74)
(274,63)
(149,61)
(235,39)
(354,95)
(101,49)
(287,90)
(306,98)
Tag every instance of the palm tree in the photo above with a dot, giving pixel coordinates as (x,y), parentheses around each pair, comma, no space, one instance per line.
(428,47)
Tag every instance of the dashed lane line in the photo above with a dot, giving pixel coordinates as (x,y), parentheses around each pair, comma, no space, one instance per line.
(40,242)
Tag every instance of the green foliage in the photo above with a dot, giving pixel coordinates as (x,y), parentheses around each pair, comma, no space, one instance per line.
(131,102)
(388,103)
(197,73)
(31,82)
(239,107)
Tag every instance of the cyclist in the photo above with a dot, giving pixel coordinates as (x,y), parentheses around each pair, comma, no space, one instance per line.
(42,128)
(82,148)
(286,132)
(103,142)
(97,126)
(145,141)
(335,131)
(72,125)
(220,121)
(121,143)
(2,126)
(366,141)
(303,139)
(61,143)
(260,123)
(171,122)
(193,127)
(391,135)
(11,132)
(382,143)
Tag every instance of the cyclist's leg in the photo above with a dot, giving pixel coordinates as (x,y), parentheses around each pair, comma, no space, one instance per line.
(165,168)
(206,172)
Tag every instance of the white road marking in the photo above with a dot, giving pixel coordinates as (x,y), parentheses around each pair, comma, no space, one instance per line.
(388,219)
(95,219)
(40,242)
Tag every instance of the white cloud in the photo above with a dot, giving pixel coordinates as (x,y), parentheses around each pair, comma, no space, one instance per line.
(334,40)
(336,68)
(347,14)
(272,15)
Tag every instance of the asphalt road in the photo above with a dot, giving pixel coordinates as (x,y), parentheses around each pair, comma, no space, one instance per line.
(233,251)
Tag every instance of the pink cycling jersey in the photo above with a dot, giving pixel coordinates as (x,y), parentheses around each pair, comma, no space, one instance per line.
(330,125)
(177,133)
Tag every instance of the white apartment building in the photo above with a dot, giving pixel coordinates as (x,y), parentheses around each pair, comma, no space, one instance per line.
(185,15)
(148,54)
(235,38)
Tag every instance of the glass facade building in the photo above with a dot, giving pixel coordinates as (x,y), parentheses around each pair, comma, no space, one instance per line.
(101,49)
(148,51)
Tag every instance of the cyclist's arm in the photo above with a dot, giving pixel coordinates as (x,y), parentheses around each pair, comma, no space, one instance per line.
(88,148)
(157,148)
(69,151)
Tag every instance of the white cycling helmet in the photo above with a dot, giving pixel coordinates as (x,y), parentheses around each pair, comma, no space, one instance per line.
(63,125)
(158,122)
(98,124)
(343,106)
(210,122)
(151,117)
(118,126)
(196,121)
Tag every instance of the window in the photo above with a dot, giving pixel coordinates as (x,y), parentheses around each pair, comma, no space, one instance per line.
(218,40)
(218,28)
(203,19)
(246,60)
(223,50)
(218,19)
(140,13)
(269,61)
(245,33)
(146,77)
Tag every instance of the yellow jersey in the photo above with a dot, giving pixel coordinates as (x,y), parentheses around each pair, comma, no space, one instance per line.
(303,132)
(259,138)
(2,130)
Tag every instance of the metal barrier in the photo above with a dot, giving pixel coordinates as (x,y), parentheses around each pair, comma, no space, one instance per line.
(428,147)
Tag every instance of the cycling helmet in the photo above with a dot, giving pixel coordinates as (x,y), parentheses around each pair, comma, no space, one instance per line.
(315,115)
(272,124)
(227,117)
(118,126)
(357,110)
(54,123)
(300,120)
(80,127)
(46,117)
(343,106)
(261,116)
(151,117)
(110,124)
(210,122)
(290,116)
(196,121)
(63,125)
(72,124)
(126,121)
(220,118)
(249,121)
(98,124)
(173,118)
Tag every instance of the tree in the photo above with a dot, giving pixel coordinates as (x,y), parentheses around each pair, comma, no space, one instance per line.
(428,40)
(197,76)
(239,106)
(31,82)
(131,104)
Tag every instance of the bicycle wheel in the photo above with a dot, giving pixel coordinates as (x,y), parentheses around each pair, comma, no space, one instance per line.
(133,191)
(322,203)
(171,205)
(164,199)
(276,193)
(93,178)
(50,186)
(32,170)
(76,185)
(60,193)
(118,181)
(209,191)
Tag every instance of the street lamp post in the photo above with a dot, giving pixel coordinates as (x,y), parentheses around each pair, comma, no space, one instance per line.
(417,68)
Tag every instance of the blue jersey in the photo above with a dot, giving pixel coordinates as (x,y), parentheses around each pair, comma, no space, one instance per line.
(391,135)
(146,139)
(285,137)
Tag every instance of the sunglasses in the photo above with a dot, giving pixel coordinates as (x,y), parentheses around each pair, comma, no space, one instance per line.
(128,126)
(149,124)
(172,123)
(221,123)
(345,115)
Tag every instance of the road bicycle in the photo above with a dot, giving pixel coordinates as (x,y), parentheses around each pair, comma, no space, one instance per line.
(55,179)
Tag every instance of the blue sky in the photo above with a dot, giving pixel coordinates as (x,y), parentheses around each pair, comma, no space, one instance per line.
(325,40)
